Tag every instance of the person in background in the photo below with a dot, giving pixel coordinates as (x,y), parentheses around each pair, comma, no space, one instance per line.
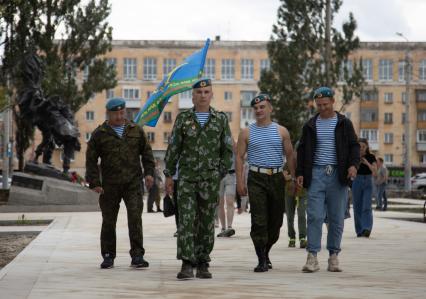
(362,191)
(381,181)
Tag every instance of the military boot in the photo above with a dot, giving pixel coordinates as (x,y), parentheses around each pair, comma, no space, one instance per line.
(186,270)
(262,266)
(203,271)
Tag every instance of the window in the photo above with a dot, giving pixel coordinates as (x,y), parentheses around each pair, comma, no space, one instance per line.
(403,138)
(402,69)
(369,134)
(85,73)
(132,112)
(168,65)
(388,97)
(388,159)
(368,115)
(385,70)
(166,137)
(369,95)
(131,93)
(229,115)
(247,69)
(151,137)
(422,70)
(129,68)
(388,117)
(367,69)
(228,96)
(109,94)
(265,65)
(420,95)
(421,136)
(88,135)
(185,100)
(247,117)
(167,117)
(403,97)
(345,70)
(403,117)
(149,68)
(90,115)
(210,68)
(388,138)
(246,97)
(112,62)
(228,69)
(421,115)
(422,158)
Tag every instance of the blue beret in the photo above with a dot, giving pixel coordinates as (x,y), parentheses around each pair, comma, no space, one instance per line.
(202,83)
(260,98)
(116,104)
(323,92)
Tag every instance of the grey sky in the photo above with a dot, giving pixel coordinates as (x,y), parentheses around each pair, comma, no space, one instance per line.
(378,20)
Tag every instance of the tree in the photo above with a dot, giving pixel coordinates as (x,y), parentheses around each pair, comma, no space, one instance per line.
(297,52)
(85,36)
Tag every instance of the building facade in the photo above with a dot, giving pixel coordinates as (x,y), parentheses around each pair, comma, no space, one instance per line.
(235,68)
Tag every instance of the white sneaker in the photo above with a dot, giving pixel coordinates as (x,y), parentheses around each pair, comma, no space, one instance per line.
(311,264)
(333,264)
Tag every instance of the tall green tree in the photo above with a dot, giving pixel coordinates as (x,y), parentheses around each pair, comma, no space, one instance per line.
(71,37)
(297,52)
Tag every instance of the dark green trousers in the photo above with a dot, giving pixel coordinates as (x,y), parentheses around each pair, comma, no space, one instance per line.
(267,206)
(290,208)
(109,203)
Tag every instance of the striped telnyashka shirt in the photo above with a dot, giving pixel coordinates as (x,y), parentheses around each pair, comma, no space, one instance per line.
(202,117)
(119,130)
(325,149)
(265,146)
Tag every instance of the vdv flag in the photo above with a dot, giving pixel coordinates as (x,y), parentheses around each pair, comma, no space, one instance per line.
(178,80)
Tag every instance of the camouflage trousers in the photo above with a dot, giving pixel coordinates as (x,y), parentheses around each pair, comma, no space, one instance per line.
(267,206)
(291,202)
(197,202)
(109,203)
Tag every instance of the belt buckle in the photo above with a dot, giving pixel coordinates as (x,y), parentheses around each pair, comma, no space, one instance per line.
(328,170)
(270,171)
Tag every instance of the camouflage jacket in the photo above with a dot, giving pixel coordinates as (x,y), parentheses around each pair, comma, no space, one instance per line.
(202,152)
(120,157)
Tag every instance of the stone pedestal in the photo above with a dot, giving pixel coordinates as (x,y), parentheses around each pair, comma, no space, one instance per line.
(34,193)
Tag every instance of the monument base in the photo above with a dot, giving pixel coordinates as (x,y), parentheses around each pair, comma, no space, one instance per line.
(34,193)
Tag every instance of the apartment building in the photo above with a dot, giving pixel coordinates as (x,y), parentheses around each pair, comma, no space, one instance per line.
(235,68)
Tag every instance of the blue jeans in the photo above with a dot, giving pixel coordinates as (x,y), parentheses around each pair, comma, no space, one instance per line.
(362,188)
(379,196)
(326,192)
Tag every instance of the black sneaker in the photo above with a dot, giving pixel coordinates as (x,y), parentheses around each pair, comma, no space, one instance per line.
(203,271)
(139,262)
(366,233)
(186,271)
(230,232)
(108,262)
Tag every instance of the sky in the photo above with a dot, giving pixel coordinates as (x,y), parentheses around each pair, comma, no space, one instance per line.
(378,20)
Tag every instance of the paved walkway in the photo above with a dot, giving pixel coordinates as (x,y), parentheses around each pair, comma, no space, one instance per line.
(63,262)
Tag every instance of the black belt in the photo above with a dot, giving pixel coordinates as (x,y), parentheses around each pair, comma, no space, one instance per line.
(231,171)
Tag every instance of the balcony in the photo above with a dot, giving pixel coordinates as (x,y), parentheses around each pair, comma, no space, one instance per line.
(421,146)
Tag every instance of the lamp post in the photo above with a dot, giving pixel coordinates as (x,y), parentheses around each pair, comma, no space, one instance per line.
(407,144)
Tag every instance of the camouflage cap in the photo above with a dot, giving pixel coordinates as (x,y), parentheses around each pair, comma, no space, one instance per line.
(116,104)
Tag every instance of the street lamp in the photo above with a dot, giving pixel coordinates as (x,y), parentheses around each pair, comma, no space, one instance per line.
(407,145)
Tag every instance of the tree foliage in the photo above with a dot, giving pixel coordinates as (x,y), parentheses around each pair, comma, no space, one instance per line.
(298,58)
(70,36)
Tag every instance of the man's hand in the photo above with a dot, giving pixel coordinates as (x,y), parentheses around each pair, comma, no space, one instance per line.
(352,172)
(299,181)
(149,181)
(98,189)
(241,189)
(169,186)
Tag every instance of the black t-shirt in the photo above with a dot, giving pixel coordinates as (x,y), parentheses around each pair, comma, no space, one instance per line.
(363,169)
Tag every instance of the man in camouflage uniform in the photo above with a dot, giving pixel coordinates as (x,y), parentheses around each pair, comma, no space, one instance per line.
(121,145)
(201,143)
